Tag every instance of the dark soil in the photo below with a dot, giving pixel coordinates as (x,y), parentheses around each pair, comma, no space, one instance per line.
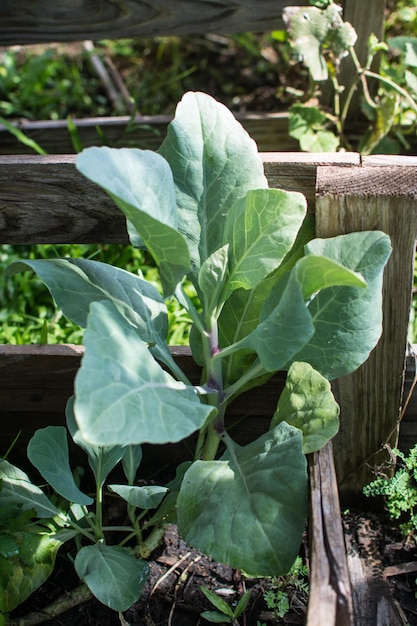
(173,597)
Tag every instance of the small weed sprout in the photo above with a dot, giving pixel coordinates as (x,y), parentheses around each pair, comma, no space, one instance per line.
(224,613)
(279,598)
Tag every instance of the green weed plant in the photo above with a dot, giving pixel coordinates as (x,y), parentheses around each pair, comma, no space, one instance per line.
(399,491)
(320,39)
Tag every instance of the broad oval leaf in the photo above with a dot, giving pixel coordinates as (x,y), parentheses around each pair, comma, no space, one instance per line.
(76,283)
(28,573)
(17,488)
(248,509)
(122,395)
(141,184)
(283,329)
(48,452)
(261,229)
(146,497)
(347,320)
(113,575)
(214,163)
(308,28)
(307,403)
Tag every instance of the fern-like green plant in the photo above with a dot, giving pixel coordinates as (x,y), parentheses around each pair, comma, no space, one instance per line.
(400,491)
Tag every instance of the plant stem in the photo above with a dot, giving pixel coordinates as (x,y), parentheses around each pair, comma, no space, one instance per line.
(152,541)
(254,371)
(60,605)
(393,85)
(99,512)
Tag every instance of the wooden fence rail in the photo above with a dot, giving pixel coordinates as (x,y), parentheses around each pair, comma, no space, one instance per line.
(44,21)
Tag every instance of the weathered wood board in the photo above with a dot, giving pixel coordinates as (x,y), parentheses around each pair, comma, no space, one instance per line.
(44,21)
(43,199)
(268,130)
(330,600)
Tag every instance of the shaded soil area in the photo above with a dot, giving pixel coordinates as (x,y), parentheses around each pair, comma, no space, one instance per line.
(173,596)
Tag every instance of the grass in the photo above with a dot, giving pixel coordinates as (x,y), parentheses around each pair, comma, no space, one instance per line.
(29,315)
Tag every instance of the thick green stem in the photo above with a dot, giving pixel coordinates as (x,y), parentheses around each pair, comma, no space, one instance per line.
(152,541)
(98,527)
(209,437)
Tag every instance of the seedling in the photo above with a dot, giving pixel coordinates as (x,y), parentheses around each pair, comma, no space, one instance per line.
(224,613)
(279,597)
(271,297)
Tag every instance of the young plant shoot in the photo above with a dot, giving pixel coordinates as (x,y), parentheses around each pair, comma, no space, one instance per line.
(272,298)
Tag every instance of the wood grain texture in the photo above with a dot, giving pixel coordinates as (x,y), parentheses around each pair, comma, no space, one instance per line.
(370,198)
(371,593)
(269,130)
(330,596)
(43,199)
(62,20)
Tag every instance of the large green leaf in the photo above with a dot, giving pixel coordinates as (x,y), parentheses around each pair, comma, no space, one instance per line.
(113,575)
(241,312)
(33,563)
(48,452)
(214,162)
(307,403)
(102,459)
(283,329)
(347,320)
(76,283)
(248,509)
(17,488)
(122,395)
(141,184)
(261,229)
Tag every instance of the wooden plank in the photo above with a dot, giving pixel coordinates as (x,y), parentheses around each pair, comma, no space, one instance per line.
(37,380)
(371,593)
(330,596)
(269,130)
(43,199)
(44,21)
(369,198)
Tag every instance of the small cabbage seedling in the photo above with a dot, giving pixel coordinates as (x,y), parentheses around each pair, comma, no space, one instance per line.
(272,297)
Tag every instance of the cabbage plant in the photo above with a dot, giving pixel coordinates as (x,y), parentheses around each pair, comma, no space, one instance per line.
(271,298)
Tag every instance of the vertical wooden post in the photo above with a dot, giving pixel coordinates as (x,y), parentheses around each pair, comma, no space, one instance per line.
(372,198)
